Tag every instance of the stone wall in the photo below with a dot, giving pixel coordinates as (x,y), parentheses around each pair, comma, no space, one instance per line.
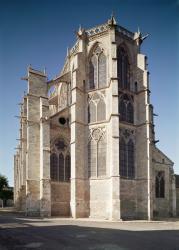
(177,201)
(60,198)
(128,199)
(100,198)
(109,196)
(163,207)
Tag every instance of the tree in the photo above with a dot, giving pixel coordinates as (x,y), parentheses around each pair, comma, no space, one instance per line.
(3,182)
(5,192)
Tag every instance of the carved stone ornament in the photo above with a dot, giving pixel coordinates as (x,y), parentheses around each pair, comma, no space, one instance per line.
(97,133)
(126,132)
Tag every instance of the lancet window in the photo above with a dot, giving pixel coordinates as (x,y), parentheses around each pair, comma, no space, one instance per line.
(126,158)
(97,149)
(123,69)
(126,110)
(96,108)
(60,161)
(98,69)
(160,185)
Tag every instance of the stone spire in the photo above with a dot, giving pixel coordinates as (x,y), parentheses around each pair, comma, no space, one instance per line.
(68,52)
(139,38)
(80,33)
(112,20)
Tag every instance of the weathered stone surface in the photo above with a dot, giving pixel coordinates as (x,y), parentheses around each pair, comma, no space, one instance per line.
(64,115)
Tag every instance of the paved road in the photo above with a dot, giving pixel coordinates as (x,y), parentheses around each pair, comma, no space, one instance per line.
(19,233)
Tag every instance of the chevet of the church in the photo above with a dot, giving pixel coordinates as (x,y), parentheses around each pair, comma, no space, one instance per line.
(87,141)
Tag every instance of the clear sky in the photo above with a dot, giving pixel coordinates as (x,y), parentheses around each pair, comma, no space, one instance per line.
(39,32)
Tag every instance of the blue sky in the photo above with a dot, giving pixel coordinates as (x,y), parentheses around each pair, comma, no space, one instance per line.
(39,32)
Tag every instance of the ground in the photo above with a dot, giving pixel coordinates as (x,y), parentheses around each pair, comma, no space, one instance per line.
(19,232)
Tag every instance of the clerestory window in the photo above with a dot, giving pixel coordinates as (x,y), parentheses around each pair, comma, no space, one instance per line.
(96,108)
(126,110)
(123,69)
(97,69)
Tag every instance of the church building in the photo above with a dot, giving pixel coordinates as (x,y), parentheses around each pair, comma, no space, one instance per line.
(87,145)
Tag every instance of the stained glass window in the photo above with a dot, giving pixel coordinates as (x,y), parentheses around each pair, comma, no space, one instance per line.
(67,167)
(160,185)
(126,110)
(60,161)
(54,167)
(61,167)
(130,155)
(122,158)
(130,113)
(122,110)
(123,69)
(126,158)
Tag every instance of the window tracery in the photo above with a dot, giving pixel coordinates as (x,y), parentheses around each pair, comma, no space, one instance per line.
(54,166)
(123,68)
(126,154)
(97,69)
(126,109)
(96,108)
(160,185)
(60,162)
(97,149)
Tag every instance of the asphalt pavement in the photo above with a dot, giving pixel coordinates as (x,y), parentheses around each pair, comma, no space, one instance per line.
(18,232)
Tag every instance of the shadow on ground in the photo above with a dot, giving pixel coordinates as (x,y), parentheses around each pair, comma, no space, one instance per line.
(18,233)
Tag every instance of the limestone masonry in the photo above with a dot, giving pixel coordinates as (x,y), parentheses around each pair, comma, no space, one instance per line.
(87,141)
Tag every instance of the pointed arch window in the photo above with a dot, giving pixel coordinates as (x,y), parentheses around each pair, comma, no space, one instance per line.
(101,70)
(129,113)
(96,108)
(93,72)
(123,69)
(122,110)
(54,166)
(126,110)
(160,185)
(97,69)
(101,154)
(97,149)
(67,167)
(123,158)
(61,167)
(126,159)
(60,162)
(92,158)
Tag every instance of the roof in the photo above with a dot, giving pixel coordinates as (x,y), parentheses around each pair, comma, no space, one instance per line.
(164,155)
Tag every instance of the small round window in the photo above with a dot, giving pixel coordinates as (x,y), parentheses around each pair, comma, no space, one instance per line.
(62,120)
